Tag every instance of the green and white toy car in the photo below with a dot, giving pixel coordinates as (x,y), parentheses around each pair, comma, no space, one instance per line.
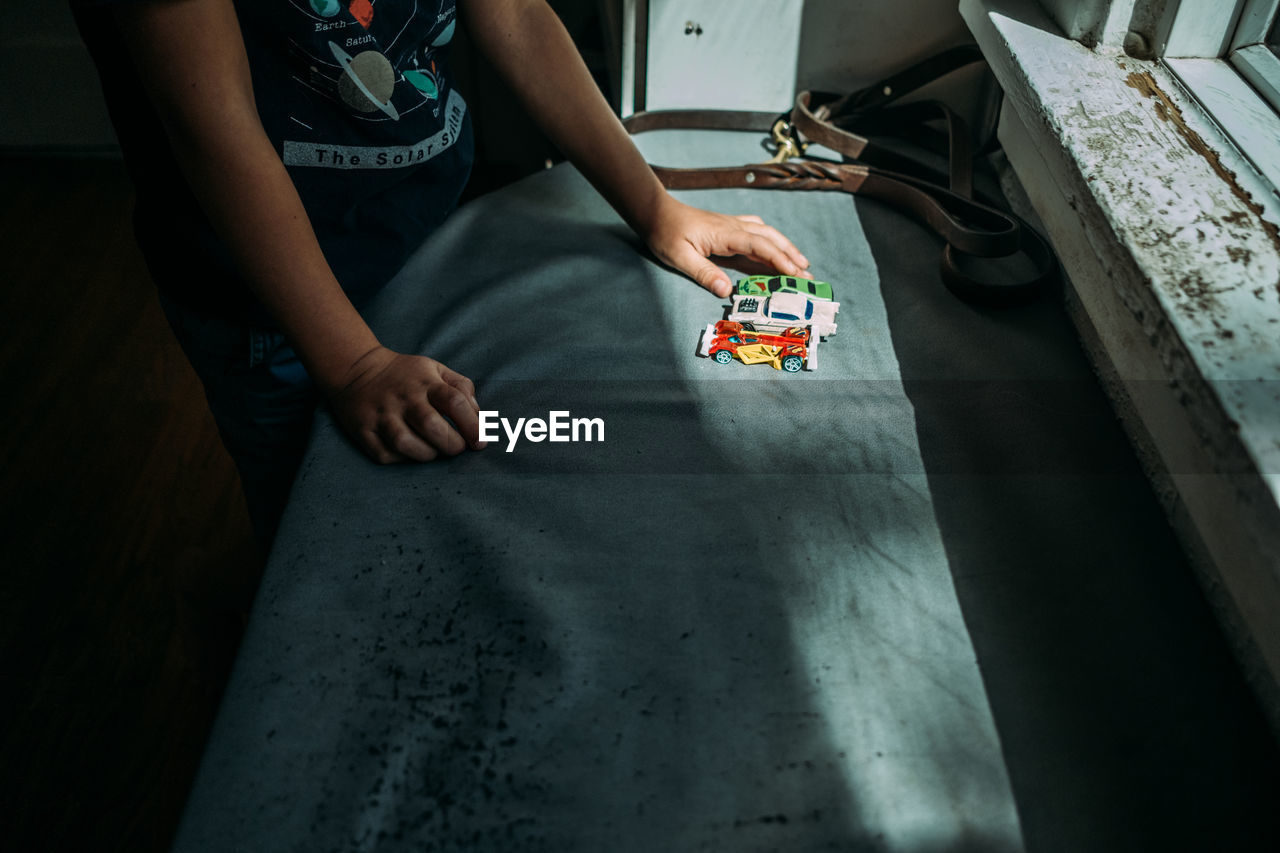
(769,285)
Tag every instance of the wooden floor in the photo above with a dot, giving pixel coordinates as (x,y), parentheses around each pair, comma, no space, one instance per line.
(127,560)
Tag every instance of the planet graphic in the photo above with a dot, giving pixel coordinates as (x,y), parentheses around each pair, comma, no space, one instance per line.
(444,37)
(326,8)
(424,83)
(362,11)
(367,81)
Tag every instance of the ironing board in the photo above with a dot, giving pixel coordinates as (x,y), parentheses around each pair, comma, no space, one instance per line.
(729,625)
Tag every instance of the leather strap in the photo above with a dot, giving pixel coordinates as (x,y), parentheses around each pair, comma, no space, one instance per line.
(945,203)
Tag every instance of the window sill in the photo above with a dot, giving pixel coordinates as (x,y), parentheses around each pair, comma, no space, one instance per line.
(1175,285)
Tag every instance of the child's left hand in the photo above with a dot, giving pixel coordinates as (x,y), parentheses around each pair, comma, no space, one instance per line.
(685,237)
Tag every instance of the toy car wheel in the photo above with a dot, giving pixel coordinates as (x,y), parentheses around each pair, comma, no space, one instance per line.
(792,363)
(750,327)
(723,356)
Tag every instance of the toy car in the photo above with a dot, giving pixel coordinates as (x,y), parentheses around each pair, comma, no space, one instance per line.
(789,351)
(784,311)
(767,285)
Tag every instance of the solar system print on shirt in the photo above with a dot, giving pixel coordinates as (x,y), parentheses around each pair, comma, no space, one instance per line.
(357,100)
(357,97)
(376,63)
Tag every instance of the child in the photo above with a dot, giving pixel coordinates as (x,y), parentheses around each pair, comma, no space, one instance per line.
(289,154)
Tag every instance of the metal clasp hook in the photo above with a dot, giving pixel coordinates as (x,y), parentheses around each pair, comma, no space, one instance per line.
(787,146)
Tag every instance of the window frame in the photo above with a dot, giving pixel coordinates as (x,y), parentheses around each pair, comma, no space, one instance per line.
(1251,55)
(1255,23)
(1217,51)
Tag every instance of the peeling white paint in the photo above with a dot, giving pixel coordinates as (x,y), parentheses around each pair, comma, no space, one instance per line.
(1207,254)
(1176,287)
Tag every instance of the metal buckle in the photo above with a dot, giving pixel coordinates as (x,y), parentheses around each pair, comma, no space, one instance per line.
(787,145)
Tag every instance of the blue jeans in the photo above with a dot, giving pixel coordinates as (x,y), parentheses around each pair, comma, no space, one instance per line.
(262,400)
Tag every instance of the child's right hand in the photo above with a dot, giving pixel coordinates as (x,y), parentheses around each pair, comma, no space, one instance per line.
(399,408)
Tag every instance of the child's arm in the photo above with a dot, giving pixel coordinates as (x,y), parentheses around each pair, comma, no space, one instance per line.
(527,43)
(191,56)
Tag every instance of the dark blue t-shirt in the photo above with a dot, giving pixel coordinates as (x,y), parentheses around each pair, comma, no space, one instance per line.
(357,99)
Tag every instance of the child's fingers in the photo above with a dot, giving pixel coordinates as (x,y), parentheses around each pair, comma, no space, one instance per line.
(414,409)
(462,383)
(375,446)
(420,433)
(468,389)
(694,264)
(458,406)
(690,236)
(408,442)
(761,247)
(778,240)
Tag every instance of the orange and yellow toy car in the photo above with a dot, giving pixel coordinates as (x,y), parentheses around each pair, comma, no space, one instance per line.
(789,350)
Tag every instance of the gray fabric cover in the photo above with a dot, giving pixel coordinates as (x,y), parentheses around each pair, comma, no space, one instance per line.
(729,626)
